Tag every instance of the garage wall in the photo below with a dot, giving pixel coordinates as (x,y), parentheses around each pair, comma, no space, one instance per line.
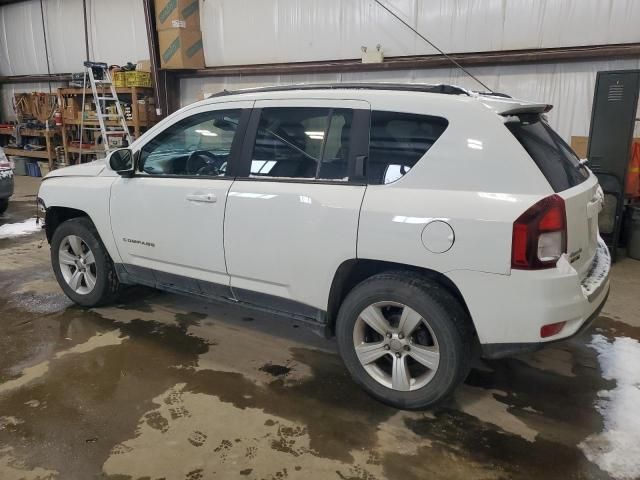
(117,34)
(269,31)
(265,31)
(568,86)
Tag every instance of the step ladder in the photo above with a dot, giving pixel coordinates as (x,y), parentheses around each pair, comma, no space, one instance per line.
(100,78)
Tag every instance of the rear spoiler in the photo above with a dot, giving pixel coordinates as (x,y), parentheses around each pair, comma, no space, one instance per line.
(512,106)
(527,108)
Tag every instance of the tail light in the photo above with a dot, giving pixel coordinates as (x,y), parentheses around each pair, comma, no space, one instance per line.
(540,235)
(5,163)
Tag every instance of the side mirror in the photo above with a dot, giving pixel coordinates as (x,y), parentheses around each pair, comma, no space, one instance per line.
(121,162)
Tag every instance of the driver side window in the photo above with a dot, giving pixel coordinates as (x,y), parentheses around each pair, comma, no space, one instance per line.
(197,145)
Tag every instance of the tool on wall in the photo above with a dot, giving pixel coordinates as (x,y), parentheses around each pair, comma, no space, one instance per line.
(107,106)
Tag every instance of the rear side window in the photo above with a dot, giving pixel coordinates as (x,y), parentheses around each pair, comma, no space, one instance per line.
(302,143)
(555,159)
(397,141)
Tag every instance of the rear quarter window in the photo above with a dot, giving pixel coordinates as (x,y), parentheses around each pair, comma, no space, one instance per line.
(555,159)
(397,141)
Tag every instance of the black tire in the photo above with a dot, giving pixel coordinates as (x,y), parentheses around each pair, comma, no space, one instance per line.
(4,204)
(445,316)
(107,286)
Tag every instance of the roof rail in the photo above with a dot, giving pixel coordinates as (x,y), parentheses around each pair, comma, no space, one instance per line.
(409,87)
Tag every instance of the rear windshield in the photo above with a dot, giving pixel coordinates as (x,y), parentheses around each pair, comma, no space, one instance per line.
(555,159)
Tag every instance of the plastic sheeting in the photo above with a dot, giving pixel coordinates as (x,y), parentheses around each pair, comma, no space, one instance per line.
(568,86)
(117,34)
(270,31)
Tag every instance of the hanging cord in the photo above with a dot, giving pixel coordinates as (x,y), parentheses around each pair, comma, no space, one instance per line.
(86,29)
(46,49)
(432,44)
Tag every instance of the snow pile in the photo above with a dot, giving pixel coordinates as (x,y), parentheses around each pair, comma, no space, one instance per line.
(18,229)
(617,449)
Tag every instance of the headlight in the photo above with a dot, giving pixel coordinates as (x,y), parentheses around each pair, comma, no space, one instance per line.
(42,208)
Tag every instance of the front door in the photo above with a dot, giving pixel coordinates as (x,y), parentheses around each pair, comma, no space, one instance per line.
(168,219)
(292,213)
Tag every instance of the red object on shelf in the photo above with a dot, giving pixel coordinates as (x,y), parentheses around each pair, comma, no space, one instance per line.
(632,182)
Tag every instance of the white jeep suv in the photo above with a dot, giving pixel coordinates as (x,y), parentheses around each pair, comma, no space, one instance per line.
(414,222)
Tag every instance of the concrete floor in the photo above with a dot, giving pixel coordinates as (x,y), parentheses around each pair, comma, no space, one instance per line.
(162,386)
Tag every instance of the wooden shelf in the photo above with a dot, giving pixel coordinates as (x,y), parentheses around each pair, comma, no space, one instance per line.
(30,132)
(69,100)
(110,123)
(27,153)
(87,91)
(85,151)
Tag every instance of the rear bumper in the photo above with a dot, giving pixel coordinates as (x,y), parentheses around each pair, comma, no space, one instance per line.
(501,350)
(509,310)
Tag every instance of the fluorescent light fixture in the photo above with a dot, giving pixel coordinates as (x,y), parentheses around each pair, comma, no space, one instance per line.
(207,133)
(315,135)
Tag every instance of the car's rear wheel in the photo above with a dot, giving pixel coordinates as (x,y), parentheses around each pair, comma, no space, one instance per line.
(4,204)
(82,265)
(405,339)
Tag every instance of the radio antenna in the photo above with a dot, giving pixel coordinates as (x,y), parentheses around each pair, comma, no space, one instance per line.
(432,44)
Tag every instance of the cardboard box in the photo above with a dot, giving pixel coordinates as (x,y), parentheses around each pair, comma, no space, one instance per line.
(69,108)
(181,49)
(177,14)
(143,66)
(580,145)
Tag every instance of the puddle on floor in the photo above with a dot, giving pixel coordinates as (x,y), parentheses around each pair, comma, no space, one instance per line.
(163,386)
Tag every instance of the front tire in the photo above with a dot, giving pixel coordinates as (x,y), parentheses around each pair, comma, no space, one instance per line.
(4,204)
(405,339)
(82,265)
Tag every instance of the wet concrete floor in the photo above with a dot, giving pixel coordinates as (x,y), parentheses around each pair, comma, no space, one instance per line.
(163,386)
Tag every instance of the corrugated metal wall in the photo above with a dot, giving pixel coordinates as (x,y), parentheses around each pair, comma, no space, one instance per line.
(568,86)
(269,31)
(117,34)
(264,31)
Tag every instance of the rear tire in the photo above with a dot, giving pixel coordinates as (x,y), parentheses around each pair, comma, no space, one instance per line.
(420,348)
(82,265)
(4,204)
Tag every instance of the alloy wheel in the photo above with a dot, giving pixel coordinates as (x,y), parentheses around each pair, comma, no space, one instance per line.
(396,346)
(77,264)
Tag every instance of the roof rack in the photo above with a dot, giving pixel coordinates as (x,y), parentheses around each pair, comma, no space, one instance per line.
(409,87)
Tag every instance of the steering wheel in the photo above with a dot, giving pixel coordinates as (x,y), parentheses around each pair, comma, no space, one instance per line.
(202,162)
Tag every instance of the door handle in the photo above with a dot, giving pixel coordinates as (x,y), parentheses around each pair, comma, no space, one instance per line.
(202,197)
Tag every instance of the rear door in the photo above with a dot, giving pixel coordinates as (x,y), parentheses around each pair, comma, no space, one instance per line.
(292,213)
(573,182)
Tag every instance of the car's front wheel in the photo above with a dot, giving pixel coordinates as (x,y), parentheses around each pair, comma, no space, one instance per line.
(4,204)
(82,265)
(405,339)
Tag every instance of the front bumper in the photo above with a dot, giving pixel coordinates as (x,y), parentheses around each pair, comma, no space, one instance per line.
(508,311)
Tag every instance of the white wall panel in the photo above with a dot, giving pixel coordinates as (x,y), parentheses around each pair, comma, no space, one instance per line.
(267,31)
(568,86)
(117,34)
(22,44)
(117,31)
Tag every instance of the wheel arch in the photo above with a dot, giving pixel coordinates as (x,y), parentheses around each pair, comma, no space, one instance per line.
(353,271)
(57,215)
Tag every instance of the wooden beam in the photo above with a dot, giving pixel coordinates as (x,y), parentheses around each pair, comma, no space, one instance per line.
(166,85)
(474,59)
(54,77)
